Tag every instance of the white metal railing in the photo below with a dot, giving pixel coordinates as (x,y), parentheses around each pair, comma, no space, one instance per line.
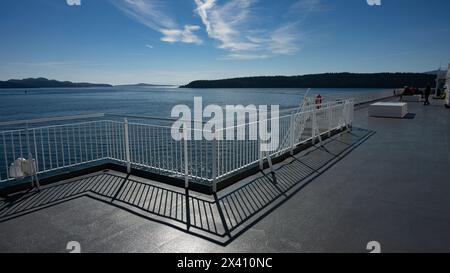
(296,128)
(134,141)
(60,146)
(359,97)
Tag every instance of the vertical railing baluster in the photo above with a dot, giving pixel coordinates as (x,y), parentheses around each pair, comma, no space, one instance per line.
(42,150)
(80,143)
(90,141)
(36,151)
(127,146)
(68,146)
(313,126)
(186,158)
(6,156)
(113,141)
(160,150)
(13,146)
(49,148)
(147,146)
(20,144)
(214,164)
(292,132)
(103,139)
(62,145)
(108,154)
(32,160)
(143,144)
(56,147)
(122,152)
(120,143)
(96,139)
(330,119)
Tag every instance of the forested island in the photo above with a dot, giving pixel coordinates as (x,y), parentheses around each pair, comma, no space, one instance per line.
(46,83)
(326,80)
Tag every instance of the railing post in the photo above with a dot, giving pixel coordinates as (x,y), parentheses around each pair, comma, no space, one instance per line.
(186,158)
(347,115)
(214,165)
(269,160)
(261,159)
(330,118)
(313,126)
(32,162)
(292,131)
(5,154)
(352,112)
(127,146)
(186,176)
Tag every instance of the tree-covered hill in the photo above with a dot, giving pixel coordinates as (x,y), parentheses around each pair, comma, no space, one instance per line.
(327,80)
(45,83)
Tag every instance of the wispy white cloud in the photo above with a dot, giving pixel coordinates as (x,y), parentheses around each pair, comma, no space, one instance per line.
(244,57)
(306,6)
(73,2)
(233,24)
(177,35)
(152,14)
(285,39)
(224,22)
(149,46)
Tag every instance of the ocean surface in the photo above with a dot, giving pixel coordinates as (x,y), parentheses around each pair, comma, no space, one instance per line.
(19,104)
(57,147)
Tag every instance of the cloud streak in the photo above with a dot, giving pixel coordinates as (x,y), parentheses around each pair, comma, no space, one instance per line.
(224,22)
(185,35)
(244,57)
(151,14)
(73,2)
(231,24)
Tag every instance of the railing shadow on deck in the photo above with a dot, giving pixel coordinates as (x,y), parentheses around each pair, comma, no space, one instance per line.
(221,219)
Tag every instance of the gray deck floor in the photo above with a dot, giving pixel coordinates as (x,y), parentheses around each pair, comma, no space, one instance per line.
(389,182)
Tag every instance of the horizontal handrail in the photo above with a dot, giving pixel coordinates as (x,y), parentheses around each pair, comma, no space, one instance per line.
(42,120)
(151,118)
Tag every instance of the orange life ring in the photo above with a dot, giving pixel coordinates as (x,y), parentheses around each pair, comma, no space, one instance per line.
(319,101)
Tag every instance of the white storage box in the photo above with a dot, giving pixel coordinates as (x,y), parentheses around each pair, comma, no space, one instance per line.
(388,109)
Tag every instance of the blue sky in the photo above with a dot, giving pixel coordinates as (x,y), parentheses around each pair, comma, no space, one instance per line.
(176,41)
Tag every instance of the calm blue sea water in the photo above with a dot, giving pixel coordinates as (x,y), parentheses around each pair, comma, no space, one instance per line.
(16,104)
(57,147)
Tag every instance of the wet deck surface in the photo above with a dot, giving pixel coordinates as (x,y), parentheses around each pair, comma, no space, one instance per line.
(388,181)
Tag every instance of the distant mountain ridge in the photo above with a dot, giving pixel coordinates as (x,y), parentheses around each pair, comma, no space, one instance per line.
(46,83)
(326,80)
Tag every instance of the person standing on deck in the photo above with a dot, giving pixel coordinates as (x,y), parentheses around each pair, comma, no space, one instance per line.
(427,95)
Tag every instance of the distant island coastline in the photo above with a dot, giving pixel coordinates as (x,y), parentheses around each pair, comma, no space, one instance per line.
(46,83)
(326,80)
(144,85)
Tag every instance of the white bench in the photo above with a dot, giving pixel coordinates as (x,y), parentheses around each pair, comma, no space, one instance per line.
(415,98)
(388,109)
